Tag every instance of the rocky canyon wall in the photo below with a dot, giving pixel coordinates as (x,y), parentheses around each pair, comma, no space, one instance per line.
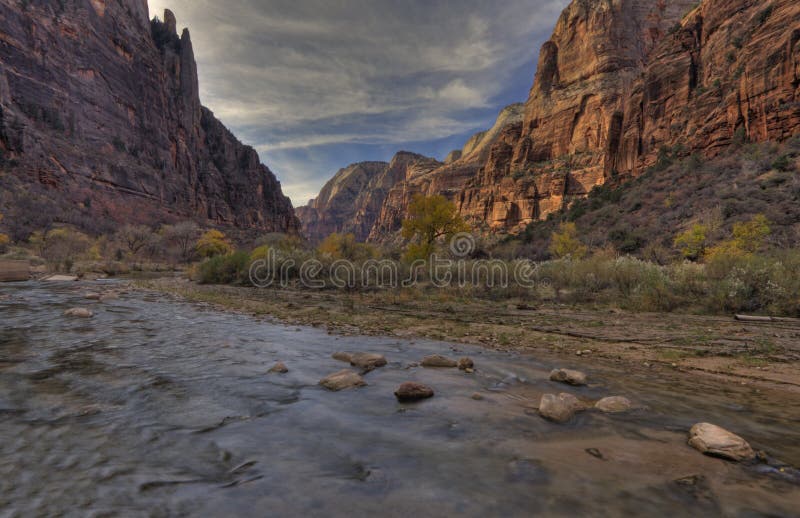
(619,84)
(100,112)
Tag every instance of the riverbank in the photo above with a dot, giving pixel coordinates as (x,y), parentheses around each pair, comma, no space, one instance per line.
(758,354)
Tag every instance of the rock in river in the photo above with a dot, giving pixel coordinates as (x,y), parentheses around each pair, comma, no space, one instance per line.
(568,376)
(342,380)
(342,356)
(613,405)
(279,368)
(79,313)
(411,391)
(560,408)
(437,360)
(367,361)
(718,442)
(466,364)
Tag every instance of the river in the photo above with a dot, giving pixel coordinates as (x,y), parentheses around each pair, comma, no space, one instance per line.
(156,407)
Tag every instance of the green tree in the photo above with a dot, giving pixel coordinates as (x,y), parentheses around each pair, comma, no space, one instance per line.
(565,243)
(692,243)
(213,243)
(430,219)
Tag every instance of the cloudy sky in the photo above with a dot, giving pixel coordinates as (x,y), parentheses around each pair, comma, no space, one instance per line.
(315,85)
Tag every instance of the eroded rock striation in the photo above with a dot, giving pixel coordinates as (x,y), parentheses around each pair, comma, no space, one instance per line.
(620,85)
(351,202)
(100,111)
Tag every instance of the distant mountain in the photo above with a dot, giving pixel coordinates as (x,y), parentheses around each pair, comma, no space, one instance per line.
(100,116)
(352,200)
(621,85)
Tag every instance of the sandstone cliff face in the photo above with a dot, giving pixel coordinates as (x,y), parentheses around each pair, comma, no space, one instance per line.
(448,179)
(352,201)
(622,81)
(334,210)
(619,83)
(100,108)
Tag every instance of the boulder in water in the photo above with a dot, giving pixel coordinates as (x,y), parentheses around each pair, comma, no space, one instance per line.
(342,356)
(466,364)
(367,361)
(719,442)
(437,360)
(279,368)
(342,380)
(572,377)
(411,391)
(560,408)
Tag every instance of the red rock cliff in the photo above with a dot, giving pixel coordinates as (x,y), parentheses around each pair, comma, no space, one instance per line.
(618,83)
(621,81)
(100,109)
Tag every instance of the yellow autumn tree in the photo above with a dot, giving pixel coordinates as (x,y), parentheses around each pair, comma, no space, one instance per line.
(692,243)
(747,238)
(213,243)
(430,219)
(565,243)
(345,246)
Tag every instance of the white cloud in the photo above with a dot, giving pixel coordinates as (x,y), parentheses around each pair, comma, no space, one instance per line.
(298,74)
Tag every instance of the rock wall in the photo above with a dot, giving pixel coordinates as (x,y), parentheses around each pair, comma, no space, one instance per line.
(352,201)
(100,108)
(619,84)
(448,179)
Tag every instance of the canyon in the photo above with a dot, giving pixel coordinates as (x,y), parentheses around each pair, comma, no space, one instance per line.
(619,86)
(101,122)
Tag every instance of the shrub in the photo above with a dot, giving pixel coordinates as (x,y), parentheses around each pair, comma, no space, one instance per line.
(565,243)
(225,269)
(61,247)
(692,243)
(783,163)
(345,246)
(213,243)
(752,235)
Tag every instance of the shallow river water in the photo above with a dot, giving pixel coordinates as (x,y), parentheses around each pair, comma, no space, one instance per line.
(162,408)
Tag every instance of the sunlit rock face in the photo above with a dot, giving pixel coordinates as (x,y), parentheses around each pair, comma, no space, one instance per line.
(100,111)
(351,202)
(619,82)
